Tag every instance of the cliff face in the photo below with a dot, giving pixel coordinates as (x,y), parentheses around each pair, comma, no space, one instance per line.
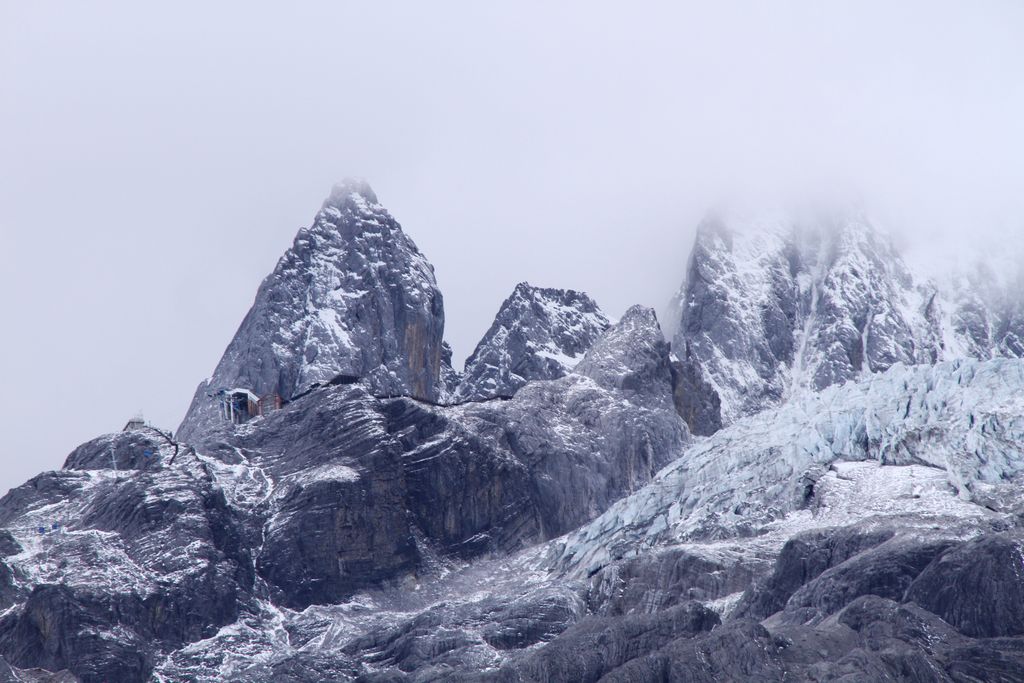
(352,296)
(983,311)
(365,489)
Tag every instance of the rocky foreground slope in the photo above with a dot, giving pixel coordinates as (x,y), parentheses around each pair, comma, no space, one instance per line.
(854,514)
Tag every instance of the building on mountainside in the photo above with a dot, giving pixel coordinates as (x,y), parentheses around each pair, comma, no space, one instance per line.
(137,422)
(241,405)
(238,405)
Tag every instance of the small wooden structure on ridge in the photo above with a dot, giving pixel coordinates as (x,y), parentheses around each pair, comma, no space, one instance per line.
(137,422)
(241,405)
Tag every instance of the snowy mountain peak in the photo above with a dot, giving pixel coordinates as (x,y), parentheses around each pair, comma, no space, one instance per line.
(774,304)
(538,333)
(352,297)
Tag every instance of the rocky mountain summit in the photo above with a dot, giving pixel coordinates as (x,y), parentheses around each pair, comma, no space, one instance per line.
(776,303)
(537,334)
(820,479)
(353,296)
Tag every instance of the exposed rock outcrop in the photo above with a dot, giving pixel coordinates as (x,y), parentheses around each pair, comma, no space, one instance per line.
(977,586)
(361,491)
(126,564)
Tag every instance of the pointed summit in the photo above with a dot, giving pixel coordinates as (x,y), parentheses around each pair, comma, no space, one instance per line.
(539,333)
(352,297)
(774,303)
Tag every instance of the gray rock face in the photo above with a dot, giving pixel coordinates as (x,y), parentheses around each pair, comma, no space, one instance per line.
(608,644)
(985,313)
(438,640)
(885,571)
(450,377)
(339,524)
(976,586)
(858,633)
(352,296)
(696,400)
(500,475)
(131,563)
(538,334)
(862,636)
(161,544)
(803,559)
(140,449)
(633,357)
(324,495)
(660,580)
(359,491)
(10,674)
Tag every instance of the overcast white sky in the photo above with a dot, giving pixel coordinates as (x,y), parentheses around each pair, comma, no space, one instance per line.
(154,163)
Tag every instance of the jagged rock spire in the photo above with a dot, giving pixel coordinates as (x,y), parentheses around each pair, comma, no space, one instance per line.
(352,296)
(775,303)
(538,333)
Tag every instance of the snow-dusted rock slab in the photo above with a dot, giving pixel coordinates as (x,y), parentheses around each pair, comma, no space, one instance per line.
(501,474)
(983,313)
(161,547)
(352,296)
(538,334)
(113,566)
